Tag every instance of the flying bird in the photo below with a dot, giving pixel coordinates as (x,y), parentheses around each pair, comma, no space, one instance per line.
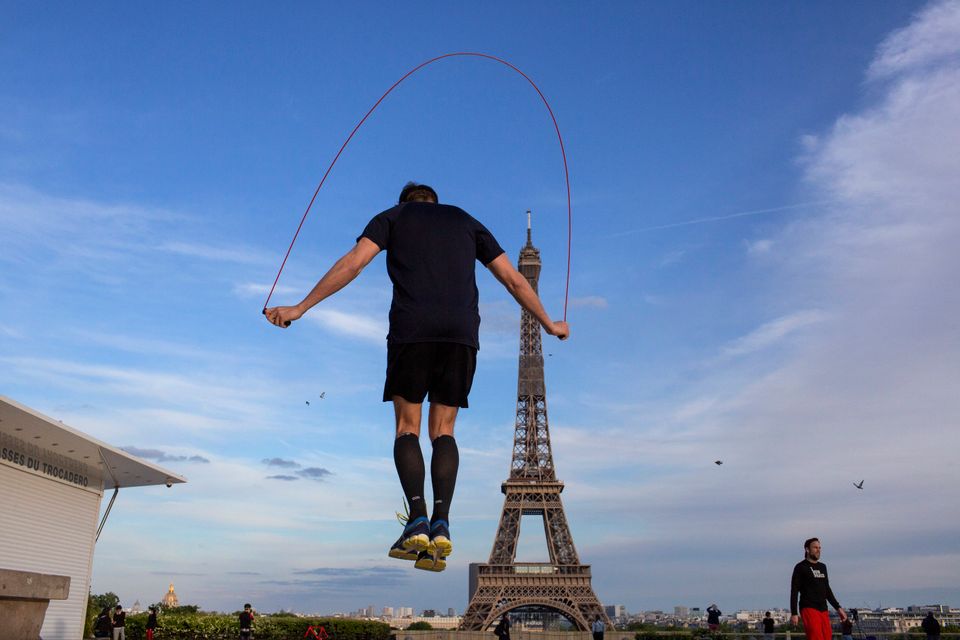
(308,402)
(322,393)
(859,485)
(718,462)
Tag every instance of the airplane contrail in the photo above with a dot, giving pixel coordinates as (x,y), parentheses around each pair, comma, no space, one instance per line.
(740,214)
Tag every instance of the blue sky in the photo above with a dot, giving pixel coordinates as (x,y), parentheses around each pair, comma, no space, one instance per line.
(764,264)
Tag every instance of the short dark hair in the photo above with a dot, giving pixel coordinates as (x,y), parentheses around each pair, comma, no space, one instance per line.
(810,541)
(118,607)
(247,606)
(412,188)
(767,613)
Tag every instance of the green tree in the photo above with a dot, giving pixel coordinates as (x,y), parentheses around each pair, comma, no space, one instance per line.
(184,609)
(108,599)
(420,625)
(95,604)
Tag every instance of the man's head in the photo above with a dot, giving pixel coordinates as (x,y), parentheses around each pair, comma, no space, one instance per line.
(767,614)
(413,192)
(811,548)
(247,607)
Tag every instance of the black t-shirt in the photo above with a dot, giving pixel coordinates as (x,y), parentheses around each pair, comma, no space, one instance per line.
(768,625)
(810,581)
(246,619)
(120,619)
(432,251)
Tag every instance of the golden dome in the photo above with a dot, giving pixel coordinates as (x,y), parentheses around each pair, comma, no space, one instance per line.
(170,599)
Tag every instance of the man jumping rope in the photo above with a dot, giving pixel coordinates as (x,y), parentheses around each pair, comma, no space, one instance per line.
(432,343)
(810,582)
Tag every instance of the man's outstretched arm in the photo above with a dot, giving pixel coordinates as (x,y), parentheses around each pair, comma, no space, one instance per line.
(514,282)
(340,275)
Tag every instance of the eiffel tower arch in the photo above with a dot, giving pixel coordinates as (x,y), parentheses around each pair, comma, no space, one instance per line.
(562,585)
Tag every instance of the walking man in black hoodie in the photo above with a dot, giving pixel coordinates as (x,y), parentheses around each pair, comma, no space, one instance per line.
(811,584)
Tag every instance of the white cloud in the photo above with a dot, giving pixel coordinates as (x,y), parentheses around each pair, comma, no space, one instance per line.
(77,227)
(932,38)
(152,346)
(219,254)
(169,396)
(257,289)
(772,332)
(672,257)
(10,332)
(759,247)
(596,302)
(354,325)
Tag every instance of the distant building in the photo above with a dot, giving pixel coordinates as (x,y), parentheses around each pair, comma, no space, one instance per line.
(429,613)
(681,612)
(170,599)
(388,612)
(451,612)
(615,611)
(926,608)
(135,609)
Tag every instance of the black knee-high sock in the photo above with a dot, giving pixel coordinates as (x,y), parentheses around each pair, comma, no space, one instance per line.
(409,460)
(443,473)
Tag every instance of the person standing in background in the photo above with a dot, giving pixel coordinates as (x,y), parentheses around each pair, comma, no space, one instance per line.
(151,623)
(810,582)
(598,628)
(119,623)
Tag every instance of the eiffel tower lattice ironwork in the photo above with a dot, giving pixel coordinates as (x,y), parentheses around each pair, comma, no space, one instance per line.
(563,584)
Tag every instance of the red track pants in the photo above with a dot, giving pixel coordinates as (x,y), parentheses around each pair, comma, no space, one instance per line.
(816,624)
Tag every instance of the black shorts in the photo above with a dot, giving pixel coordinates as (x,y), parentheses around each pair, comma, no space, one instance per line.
(444,370)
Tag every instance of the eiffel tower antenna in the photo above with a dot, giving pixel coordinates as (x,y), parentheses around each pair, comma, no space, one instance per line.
(562,585)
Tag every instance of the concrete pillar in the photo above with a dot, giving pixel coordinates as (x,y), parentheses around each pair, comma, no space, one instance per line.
(24,597)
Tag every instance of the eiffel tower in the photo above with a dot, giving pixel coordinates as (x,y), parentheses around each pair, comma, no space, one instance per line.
(561,585)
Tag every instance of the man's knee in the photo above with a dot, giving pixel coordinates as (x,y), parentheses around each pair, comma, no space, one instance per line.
(408,416)
(442,420)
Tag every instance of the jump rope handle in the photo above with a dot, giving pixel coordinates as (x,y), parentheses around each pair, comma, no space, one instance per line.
(286,324)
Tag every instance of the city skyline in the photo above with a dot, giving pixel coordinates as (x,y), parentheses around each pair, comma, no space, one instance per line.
(763,265)
(678,610)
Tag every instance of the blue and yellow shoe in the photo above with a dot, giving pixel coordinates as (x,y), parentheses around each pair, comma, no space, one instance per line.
(440,541)
(414,538)
(430,561)
(400,553)
(416,535)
